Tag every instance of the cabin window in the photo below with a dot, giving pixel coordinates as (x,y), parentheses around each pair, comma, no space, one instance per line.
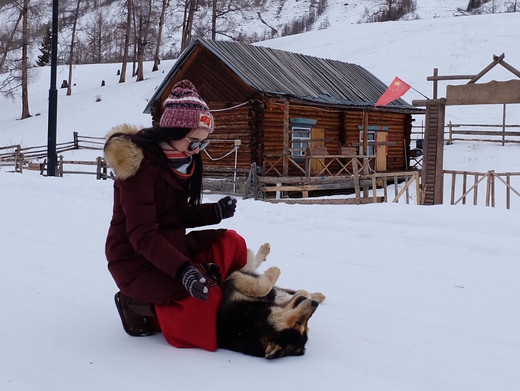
(371,142)
(300,135)
(300,140)
(376,135)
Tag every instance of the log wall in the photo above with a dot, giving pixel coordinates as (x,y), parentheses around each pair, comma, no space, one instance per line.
(260,128)
(399,130)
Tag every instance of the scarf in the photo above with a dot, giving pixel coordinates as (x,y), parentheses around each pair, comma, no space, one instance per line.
(178,161)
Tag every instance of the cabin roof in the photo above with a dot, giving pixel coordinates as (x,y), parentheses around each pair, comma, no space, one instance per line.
(282,73)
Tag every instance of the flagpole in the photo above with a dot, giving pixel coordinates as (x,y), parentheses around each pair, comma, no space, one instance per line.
(419,92)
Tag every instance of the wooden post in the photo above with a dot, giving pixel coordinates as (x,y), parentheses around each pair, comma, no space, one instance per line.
(418,189)
(453,179)
(356,179)
(487,190)
(475,191)
(374,188)
(286,138)
(464,185)
(508,190)
(60,166)
(18,159)
(504,124)
(365,133)
(432,168)
(492,174)
(256,191)
(435,74)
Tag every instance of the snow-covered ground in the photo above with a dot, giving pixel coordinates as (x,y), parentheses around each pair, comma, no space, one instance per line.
(418,298)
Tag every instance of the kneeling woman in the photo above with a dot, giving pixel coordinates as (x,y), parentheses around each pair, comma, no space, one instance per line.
(167,277)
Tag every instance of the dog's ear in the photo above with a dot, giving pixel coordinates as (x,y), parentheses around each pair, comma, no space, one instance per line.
(272,350)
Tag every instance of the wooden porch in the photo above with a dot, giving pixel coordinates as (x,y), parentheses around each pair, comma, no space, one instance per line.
(360,187)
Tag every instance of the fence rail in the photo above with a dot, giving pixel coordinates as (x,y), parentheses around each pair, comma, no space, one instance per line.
(472,181)
(500,133)
(23,157)
(263,187)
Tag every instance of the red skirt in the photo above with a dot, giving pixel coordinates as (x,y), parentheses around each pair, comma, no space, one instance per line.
(192,323)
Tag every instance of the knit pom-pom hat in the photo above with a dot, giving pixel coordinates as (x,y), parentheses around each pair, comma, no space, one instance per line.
(184,108)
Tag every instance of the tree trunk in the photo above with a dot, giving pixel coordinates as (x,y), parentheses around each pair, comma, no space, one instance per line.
(25,60)
(129,7)
(156,59)
(142,40)
(71,53)
(214,20)
(187,23)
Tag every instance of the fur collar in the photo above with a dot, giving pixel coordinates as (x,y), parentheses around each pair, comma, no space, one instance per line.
(121,153)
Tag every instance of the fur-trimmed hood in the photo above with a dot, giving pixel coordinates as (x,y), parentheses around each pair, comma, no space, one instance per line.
(121,153)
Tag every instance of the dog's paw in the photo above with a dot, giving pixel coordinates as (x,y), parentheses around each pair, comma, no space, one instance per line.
(263,252)
(273,273)
(272,350)
(317,296)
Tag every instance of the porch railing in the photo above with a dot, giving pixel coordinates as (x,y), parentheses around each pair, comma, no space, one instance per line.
(327,165)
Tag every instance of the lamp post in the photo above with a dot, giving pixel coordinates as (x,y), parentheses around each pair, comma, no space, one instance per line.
(53,95)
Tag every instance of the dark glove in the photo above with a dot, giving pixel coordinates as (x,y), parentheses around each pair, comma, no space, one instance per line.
(212,272)
(193,281)
(225,208)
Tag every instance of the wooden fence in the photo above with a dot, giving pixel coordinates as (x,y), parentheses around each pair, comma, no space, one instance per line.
(475,132)
(470,182)
(24,158)
(365,188)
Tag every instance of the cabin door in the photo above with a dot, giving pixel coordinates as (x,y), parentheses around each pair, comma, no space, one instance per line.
(377,145)
(381,151)
(317,140)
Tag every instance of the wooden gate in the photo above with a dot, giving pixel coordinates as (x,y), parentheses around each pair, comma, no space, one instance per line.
(472,181)
(468,94)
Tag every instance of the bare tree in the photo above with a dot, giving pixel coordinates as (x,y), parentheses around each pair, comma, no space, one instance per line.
(390,10)
(190,6)
(25,60)
(474,5)
(19,38)
(98,37)
(7,45)
(72,44)
(220,9)
(142,15)
(156,59)
(128,31)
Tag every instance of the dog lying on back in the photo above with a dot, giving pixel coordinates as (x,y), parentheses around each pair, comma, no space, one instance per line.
(259,319)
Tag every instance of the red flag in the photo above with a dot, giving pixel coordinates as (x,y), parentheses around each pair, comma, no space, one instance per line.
(397,89)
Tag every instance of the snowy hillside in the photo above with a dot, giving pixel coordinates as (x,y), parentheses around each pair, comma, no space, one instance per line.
(267,19)
(408,49)
(418,298)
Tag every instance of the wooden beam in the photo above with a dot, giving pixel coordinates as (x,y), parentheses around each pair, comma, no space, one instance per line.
(365,133)
(496,60)
(450,77)
(494,92)
(286,134)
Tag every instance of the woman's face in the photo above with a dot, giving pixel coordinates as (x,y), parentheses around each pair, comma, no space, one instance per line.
(183,144)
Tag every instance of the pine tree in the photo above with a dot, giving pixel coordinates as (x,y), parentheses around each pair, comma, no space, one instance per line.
(45,57)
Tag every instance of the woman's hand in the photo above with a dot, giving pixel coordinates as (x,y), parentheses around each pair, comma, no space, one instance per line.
(193,281)
(226,207)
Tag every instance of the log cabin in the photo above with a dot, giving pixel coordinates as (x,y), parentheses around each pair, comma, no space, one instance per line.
(273,108)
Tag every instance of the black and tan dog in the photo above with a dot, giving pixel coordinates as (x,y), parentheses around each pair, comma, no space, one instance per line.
(259,319)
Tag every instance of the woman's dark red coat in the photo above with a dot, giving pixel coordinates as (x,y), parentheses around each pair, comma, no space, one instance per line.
(147,240)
